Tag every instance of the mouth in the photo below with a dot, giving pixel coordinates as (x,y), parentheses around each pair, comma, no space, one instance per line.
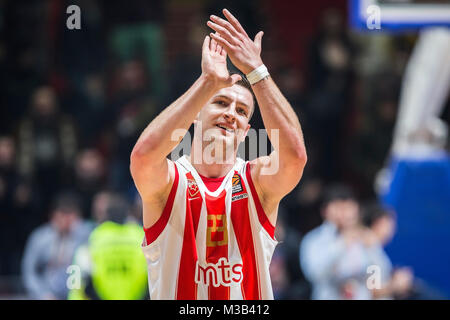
(229,130)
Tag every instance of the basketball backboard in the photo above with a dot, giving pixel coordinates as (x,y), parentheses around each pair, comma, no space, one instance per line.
(398,15)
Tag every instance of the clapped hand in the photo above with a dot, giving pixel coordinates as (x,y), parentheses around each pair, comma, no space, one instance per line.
(244,53)
(214,64)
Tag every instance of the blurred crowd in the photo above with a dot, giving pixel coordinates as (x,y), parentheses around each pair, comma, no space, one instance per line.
(343,258)
(74,102)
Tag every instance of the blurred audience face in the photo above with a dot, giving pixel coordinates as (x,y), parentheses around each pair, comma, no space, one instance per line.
(7,152)
(132,76)
(335,55)
(332,21)
(310,192)
(384,228)
(291,81)
(44,101)
(64,219)
(344,213)
(89,167)
(99,206)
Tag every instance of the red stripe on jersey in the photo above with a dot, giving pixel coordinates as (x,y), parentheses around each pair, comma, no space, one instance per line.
(155,230)
(196,202)
(217,241)
(262,217)
(186,285)
(240,218)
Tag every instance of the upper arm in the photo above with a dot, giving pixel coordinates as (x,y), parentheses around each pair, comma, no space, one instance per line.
(153,181)
(274,178)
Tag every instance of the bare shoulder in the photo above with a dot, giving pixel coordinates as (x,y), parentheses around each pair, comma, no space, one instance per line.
(269,200)
(154,198)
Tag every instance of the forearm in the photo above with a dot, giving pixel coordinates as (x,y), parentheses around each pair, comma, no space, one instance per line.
(277,114)
(157,140)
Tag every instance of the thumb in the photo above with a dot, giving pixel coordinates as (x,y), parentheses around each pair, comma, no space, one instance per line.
(205,46)
(258,39)
(235,78)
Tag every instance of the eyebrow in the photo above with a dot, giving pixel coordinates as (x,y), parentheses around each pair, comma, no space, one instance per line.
(229,99)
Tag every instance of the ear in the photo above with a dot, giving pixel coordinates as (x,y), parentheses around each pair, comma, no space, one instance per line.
(245,132)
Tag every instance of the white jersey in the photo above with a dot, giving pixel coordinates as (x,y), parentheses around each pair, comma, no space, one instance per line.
(210,245)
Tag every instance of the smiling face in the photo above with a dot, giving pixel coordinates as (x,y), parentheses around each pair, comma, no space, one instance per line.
(225,118)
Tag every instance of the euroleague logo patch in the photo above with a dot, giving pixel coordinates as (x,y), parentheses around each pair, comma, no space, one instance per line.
(237,188)
(192,187)
(237,183)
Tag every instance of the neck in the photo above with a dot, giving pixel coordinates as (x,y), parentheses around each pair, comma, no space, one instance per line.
(212,167)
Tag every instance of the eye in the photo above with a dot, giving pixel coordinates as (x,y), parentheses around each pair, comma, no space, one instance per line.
(221,102)
(242,111)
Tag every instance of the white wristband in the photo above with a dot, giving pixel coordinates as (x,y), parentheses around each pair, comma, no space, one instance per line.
(257,74)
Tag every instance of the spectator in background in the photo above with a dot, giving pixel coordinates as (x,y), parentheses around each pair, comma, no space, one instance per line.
(18,205)
(381,222)
(51,247)
(330,82)
(396,283)
(184,69)
(287,282)
(136,207)
(100,204)
(112,264)
(320,248)
(370,145)
(8,185)
(47,142)
(24,56)
(131,107)
(89,177)
(334,257)
(135,31)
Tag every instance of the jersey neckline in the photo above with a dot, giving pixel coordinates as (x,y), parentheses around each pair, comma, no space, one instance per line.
(203,189)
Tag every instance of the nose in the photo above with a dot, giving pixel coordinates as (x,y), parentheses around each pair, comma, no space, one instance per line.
(230,113)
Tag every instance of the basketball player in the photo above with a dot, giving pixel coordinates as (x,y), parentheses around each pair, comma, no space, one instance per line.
(209,217)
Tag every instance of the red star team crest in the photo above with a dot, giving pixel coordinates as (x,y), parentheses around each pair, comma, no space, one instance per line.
(192,187)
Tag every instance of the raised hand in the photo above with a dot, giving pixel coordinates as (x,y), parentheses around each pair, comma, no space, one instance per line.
(244,53)
(214,64)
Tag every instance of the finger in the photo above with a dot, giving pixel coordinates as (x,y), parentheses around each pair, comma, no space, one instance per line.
(223,42)
(258,39)
(234,21)
(213,45)
(223,52)
(224,33)
(235,78)
(226,25)
(205,46)
(218,46)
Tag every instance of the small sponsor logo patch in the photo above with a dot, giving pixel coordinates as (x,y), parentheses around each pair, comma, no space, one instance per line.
(222,273)
(239,197)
